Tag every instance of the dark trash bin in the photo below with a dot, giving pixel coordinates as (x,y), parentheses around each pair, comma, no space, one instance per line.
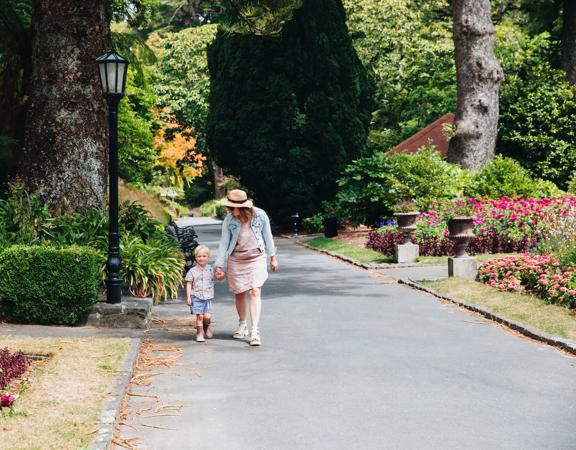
(330,227)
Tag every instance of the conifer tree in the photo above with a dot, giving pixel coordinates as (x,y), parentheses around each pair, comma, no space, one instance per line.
(288,112)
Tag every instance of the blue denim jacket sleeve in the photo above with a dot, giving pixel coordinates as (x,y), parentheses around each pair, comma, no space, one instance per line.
(224,242)
(267,236)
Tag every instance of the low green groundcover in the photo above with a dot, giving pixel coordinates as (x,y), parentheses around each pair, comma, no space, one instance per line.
(48,285)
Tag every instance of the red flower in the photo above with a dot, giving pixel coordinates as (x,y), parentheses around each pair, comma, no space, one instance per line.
(7,400)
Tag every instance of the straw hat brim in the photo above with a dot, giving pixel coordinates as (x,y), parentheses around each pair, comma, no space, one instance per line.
(229,204)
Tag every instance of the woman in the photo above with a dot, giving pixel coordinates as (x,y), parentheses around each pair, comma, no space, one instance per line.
(244,246)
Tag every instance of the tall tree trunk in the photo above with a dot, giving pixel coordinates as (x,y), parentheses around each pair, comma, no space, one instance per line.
(218,180)
(65,142)
(569,40)
(478,76)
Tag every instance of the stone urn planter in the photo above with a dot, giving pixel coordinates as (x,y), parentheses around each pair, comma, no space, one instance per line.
(407,224)
(461,231)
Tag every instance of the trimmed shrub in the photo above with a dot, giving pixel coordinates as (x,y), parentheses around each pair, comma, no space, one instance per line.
(371,186)
(48,285)
(506,177)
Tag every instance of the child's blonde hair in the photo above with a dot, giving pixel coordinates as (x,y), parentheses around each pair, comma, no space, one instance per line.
(201,248)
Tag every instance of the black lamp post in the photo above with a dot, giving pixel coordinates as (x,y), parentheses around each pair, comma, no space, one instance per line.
(113,69)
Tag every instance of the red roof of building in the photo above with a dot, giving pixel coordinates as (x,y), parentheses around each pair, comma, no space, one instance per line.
(432,133)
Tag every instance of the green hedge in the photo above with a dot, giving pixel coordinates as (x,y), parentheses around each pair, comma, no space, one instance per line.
(48,285)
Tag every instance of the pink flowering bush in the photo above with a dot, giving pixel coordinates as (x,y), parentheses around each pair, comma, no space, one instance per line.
(512,272)
(539,274)
(504,225)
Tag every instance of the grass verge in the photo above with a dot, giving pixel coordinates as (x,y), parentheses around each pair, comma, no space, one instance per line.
(525,308)
(61,404)
(364,255)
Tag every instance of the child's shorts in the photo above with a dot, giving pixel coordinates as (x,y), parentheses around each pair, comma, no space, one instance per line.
(200,306)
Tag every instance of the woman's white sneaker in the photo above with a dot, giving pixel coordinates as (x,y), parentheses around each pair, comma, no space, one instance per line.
(242,331)
(255,339)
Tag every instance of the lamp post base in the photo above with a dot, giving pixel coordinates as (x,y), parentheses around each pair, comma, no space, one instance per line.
(113,291)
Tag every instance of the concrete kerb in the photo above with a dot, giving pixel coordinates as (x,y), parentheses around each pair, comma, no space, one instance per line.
(111,413)
(555,341)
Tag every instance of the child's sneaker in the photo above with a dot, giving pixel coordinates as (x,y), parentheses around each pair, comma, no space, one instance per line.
(200,334)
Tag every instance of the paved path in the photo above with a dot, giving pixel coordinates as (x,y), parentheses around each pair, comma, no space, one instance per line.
(350,361)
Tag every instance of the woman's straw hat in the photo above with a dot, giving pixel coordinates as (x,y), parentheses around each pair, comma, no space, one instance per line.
(236,198)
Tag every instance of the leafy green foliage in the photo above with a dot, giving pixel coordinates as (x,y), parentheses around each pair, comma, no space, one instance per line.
(506,177)
(136,12)
(136,155)
(151,269)
(48,285)
(183,82)
(288,113)
(538,115)
(371,186)
(313,224)
(259,17)
(409,52)
(153,261)
(22,217)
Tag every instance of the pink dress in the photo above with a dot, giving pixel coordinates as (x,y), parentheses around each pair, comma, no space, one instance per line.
(246,264)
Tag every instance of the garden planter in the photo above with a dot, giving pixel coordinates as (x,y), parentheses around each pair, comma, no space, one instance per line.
(330,227)
(407,224)
(461,231)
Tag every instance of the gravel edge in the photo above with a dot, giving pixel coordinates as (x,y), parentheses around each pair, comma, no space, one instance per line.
(555,341)
(111,412)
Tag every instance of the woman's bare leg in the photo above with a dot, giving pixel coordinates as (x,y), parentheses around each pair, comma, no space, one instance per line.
(241,306)
(255,306)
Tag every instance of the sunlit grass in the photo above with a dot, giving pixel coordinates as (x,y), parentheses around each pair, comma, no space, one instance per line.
(364,255)
(524,308)
(65,394)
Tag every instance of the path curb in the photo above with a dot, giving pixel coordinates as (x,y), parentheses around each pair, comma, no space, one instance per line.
(111,413)
(367,266)
(555,341)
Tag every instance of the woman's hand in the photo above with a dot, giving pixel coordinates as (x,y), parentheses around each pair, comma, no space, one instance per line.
(219,274)
(273,264)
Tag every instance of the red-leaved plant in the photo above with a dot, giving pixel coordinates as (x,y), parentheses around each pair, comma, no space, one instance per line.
(12,365)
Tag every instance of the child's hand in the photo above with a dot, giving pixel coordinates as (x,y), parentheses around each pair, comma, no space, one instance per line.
(219,274)
(189,301)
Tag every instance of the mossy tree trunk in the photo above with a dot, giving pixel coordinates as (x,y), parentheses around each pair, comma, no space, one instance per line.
(478,76)
(65,137)
(569,41)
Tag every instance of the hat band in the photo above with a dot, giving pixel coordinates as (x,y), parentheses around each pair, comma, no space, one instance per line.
(236,201)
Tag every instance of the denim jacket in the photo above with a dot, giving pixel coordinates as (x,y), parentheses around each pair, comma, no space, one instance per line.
(231,229)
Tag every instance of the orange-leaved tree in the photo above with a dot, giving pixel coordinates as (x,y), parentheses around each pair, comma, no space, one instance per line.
(181,162)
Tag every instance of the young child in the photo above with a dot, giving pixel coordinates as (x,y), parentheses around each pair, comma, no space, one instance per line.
(200,292)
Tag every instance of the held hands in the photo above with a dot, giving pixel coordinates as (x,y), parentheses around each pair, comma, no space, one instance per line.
(219,274)
(273,264)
